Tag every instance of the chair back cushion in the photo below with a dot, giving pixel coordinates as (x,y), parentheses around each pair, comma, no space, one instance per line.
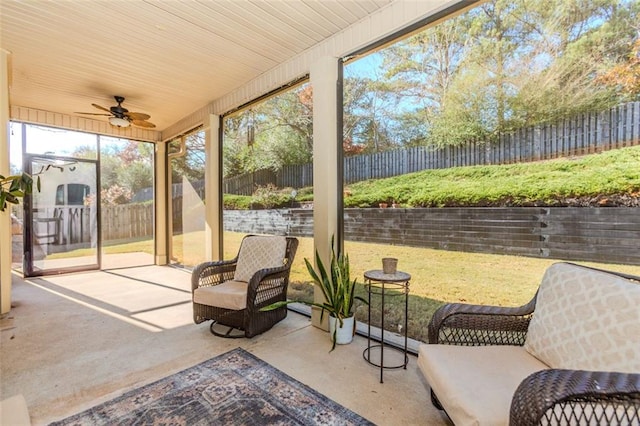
(586,320)
(259,252)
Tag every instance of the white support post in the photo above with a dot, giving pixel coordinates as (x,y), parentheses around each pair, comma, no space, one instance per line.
(324,79)
(5,217)
(212,177)
(162,196)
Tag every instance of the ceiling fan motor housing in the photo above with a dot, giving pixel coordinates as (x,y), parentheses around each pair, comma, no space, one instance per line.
(119,110)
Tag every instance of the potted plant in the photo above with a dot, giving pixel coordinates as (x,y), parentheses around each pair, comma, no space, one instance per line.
(339,293)
(12,188)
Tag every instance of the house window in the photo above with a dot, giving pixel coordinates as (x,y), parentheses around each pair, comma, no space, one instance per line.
(76,194)
(60,195)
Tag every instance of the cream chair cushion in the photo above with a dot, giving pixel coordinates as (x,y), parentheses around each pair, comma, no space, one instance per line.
(259,252)
(228,295)
(475,385)
(586,320)
(14,411)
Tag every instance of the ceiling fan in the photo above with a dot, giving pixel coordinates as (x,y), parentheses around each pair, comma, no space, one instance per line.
(121,117)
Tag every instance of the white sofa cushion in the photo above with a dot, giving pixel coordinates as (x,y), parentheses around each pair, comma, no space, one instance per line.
(228,295)
(475,385)
(259,252)
(586,320)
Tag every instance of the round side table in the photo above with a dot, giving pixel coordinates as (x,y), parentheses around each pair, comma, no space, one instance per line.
(377,282)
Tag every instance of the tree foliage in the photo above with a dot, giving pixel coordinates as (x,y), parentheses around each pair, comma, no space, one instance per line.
(625,76)
(271,134)
(508,64)
(187,156)
(501,66)
(127,164)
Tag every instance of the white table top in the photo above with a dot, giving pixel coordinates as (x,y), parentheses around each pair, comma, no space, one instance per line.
(379,275)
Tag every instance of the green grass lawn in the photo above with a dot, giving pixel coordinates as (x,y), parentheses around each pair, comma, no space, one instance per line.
(439,276)
(143,245)
(537,183)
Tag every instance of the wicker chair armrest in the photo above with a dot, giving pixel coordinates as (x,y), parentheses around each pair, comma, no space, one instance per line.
(577,397)
(267,279)
(474,325)
(266,274)
(212,273)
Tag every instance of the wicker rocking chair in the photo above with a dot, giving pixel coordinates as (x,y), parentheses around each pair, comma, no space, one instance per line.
(231,292)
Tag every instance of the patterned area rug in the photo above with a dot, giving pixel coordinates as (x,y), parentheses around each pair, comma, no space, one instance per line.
(235,388)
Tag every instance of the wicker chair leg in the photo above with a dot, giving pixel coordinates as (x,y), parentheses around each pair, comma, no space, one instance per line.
(435,402)
(227,334)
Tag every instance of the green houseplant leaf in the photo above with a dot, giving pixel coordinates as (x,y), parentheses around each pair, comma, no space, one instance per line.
(336,285)
(15,187)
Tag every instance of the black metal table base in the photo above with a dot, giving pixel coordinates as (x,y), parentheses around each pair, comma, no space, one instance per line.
(366,354)
(397,281)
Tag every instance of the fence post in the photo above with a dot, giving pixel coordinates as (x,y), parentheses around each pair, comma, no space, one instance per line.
(636,123)
(537,143)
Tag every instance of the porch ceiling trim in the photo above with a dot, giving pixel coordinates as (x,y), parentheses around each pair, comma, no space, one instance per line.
(70,122)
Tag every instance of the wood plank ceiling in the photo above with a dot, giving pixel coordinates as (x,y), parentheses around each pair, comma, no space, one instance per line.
(168,58)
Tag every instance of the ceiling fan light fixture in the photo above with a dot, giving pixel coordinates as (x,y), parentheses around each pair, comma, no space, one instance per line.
(119,122)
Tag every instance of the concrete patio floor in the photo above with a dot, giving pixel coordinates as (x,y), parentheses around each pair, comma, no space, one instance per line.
(76,340)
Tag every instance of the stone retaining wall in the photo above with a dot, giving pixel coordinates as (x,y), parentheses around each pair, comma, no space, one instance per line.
(607,234)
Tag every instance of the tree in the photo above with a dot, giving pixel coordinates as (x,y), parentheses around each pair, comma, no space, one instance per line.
(420,71)
(127,164)
(271,134)
(368,114)
(284,128)
(571,44)
(625,77)
(507,64)
(191,163)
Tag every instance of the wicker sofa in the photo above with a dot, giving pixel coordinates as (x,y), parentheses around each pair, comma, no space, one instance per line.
(571,356)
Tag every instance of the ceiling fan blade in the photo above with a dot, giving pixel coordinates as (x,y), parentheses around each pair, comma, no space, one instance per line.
(142,123)
(101,107)
(137,115)
(91,113)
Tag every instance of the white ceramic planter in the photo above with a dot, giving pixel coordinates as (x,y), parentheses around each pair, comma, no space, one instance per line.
(345,333)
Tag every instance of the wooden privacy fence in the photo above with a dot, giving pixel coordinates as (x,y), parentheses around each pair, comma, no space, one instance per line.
(127,221)
(605,234)
(583,134)
(246,184)
(297,176)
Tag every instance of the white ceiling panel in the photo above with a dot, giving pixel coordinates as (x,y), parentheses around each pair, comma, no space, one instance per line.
(167,58)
